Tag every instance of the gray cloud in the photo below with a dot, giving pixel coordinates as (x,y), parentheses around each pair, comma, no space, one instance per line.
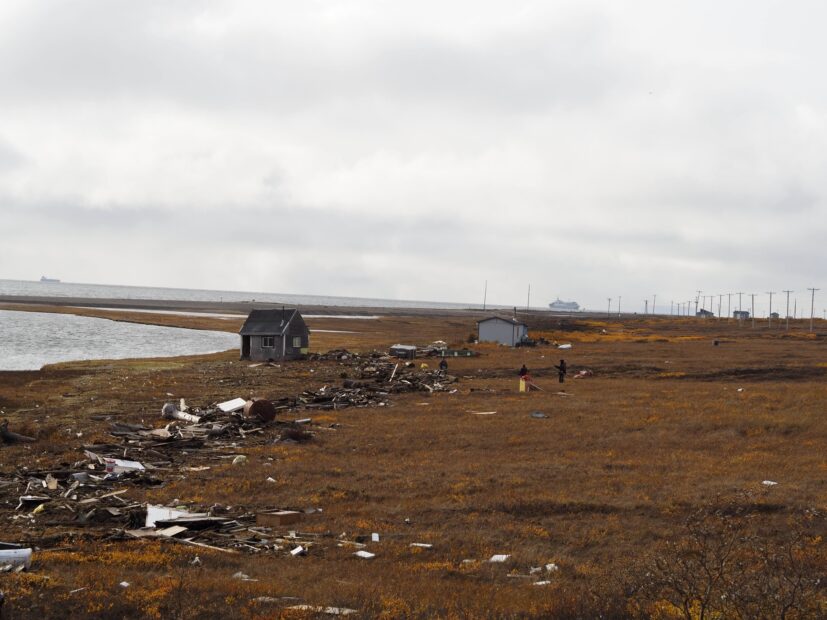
(415,150)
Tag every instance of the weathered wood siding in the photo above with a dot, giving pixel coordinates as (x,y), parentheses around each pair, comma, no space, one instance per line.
(504,332)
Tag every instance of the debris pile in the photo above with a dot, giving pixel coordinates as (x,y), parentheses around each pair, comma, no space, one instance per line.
(99,494)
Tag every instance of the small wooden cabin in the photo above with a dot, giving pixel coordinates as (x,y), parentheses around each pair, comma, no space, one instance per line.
(279,334)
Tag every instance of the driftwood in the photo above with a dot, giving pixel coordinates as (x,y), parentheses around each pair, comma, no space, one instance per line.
(9,437)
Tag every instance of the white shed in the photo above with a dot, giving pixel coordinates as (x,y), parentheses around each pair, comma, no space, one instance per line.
(504,331)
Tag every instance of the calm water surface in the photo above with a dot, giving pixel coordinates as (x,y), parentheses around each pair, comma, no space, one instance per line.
(28,340)
(107,291)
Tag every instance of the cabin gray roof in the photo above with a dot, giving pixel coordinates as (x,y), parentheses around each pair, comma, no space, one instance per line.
(268,322)
(499,318)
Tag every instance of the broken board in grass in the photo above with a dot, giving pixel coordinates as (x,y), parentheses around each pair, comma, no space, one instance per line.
(278,517)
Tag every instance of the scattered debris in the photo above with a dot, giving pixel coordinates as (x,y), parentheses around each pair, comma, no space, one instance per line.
(483,412)
(769,483)
(170,412)
(564,346)
(367,555)
(164,514)
(422,545)
(278,517)
(120,466)
(14,557)
(231,406)
(497,558)
(582,374)
(261,409)
(330,611)
(538,414)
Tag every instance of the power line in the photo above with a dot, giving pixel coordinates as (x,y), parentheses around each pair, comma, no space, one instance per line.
(812,304)
(788,309)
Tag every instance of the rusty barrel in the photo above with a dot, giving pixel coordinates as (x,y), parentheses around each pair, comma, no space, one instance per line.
(260,408)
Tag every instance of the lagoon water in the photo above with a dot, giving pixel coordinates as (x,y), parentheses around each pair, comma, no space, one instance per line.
(108,291)
(28,340)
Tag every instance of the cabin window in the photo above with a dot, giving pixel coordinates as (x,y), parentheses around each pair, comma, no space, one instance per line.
(268,342)
(297,342)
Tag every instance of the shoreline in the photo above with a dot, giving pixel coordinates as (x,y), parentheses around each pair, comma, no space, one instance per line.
(244,307)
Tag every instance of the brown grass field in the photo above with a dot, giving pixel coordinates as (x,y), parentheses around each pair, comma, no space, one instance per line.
(633,485)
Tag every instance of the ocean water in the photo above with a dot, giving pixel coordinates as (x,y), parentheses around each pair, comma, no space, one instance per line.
(107,291)
(29,340)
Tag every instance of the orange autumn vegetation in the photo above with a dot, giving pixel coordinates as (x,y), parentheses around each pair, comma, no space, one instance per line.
(668,425)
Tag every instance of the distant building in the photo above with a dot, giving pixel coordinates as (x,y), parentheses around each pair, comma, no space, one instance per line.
(505,331)
(741,315)
(704,313)
(774,315)
(274,335)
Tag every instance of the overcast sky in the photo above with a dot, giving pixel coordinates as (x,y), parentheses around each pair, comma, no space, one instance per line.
(416,149)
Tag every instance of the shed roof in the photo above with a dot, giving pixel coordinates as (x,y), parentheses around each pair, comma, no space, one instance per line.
(270,322)
(510,321)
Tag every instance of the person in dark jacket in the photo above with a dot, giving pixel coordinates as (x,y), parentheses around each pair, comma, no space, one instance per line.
(443,365)
(561,371)
(523,371)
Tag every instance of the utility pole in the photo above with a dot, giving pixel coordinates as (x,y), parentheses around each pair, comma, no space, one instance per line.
(654,299)
(528,299)
(728,306)
(740,316)
(671,307)
(788,310)
(645,306)
(770,293)
(720,298)
(696,302)
(812,304)
(618,305)
(689,307)
(609,311)
(484,294)
(753,309)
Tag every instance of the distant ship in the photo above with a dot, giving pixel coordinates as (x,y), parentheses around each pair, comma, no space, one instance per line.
(49,280)
(559,304)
